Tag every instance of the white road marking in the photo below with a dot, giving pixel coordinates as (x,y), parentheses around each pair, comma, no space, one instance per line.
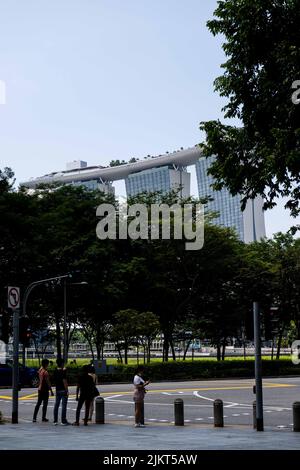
(156,404)
(201,396)
(240,405)
(113,396)
(230,403)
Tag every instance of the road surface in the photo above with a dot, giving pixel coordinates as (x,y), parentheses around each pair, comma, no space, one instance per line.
(198,396)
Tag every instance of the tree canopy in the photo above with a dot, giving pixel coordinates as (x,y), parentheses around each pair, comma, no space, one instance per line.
(137,290)
(261,155)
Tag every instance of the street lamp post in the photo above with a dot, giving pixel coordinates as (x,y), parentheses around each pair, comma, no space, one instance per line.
(83,283)
(15,388)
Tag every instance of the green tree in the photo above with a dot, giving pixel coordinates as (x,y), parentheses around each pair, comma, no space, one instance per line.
(262,48)
(149,327)
(124,331)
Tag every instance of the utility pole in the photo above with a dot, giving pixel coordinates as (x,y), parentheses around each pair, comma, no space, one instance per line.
(257,344)
(65,322)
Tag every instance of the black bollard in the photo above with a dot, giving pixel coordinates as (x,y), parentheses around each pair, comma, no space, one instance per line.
(254,415)
(179,412)
(218,414)
(296,416)
(99,404)
(142,413)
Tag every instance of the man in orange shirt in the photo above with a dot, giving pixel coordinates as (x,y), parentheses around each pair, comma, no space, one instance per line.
(43,391)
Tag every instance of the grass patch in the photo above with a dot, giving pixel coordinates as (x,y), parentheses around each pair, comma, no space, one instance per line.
(133,362)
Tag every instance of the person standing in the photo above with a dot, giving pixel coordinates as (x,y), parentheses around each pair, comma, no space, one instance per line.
(85,393)
(43,391)
(62,392)
(92,373)
(139,395)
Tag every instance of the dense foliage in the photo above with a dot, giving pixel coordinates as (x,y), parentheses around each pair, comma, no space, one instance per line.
(137,289)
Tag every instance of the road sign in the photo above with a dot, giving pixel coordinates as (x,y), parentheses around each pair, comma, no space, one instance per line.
(13,298)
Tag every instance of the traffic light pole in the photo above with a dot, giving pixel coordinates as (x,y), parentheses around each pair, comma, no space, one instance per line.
(15,381)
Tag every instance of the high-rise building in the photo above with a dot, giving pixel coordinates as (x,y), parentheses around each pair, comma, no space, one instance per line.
(163,179)
(249,224)
(154,173)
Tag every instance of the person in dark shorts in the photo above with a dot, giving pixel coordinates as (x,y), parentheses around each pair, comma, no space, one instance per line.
(43,391)
(62,393)
(85,393)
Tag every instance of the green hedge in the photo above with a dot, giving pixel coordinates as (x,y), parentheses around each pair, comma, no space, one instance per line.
(195,370)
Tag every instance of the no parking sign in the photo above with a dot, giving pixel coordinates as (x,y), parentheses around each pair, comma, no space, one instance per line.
(13,298)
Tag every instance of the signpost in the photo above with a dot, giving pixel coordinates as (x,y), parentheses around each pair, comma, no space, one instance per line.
(13,301)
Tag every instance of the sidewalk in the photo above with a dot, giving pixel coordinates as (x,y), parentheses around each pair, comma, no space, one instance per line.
(123,436)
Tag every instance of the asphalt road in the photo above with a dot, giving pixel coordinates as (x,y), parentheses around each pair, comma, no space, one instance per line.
(198,397)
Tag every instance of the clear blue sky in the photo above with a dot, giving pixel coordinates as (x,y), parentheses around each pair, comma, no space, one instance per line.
(103,79)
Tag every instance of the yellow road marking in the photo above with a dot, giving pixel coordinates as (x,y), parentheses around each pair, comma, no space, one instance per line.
(26,397)
(210,389)
(199,389)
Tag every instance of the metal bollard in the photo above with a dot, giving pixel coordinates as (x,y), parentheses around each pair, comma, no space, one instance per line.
(142,413)
(218,414)
(296,416)
(179,412)
(254,415)
(99,404)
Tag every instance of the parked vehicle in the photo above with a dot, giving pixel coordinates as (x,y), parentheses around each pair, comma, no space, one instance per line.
(28,376)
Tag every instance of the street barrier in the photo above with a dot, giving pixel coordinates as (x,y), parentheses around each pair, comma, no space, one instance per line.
(99,405)
(218,414)
(296,416)
(179,412)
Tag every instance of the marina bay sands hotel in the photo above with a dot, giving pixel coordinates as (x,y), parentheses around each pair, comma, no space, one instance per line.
(163,173)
